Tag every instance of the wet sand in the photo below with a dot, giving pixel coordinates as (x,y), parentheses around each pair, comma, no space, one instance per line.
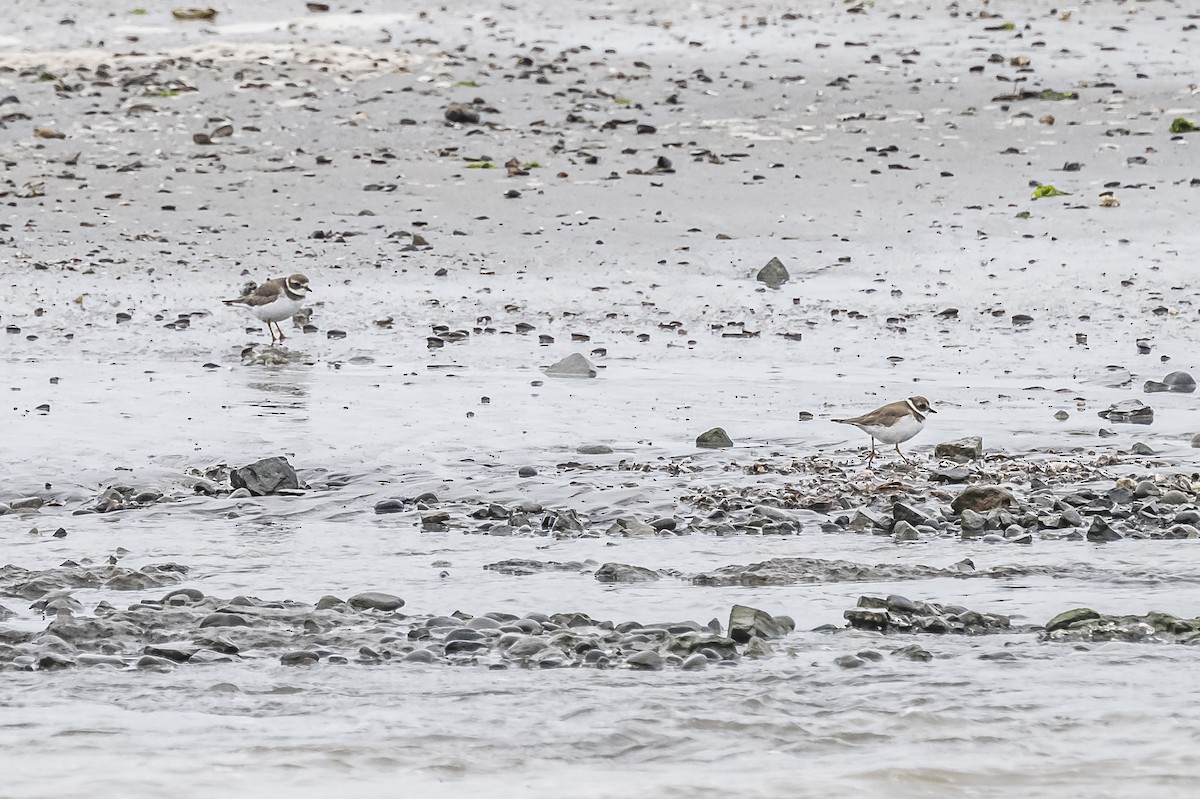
(885,155)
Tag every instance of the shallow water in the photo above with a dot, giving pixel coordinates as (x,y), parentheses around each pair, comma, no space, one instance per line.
(874,256)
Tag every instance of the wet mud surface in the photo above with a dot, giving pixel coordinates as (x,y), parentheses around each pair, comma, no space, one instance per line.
(540,244)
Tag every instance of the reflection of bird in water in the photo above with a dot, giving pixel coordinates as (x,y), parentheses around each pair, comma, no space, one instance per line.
(893,423)
(275,300)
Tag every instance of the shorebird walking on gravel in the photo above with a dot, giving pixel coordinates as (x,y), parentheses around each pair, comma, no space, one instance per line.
(893,423)
(275,300)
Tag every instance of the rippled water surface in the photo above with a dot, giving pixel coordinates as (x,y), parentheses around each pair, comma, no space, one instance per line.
(860,148)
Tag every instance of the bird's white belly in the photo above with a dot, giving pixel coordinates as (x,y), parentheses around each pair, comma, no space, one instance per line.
(902,430)
(277,311)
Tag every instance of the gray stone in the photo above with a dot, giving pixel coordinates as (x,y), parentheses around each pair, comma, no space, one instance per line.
(300,657)
(461,646)
(849,661)
(757,648)
(1140,448)
(419,656)
(913,652)
(960,449)
(1130,411)
(26,503)
(715,438)
(1196,441)
(574,365)
(982,498)
(903,531)
(525,646)
(224,620)
(183,596)
(1189,516)
(527,471)
(746,623)
(1175,497)
(954,474)
(1102,531)
(1070,617)
(647,660)
(1145,488)
(176,652)
(774,274)
(867,519)
(624,573)
(595,449)
(330,602)
(903,512)
(972,521)
(375,600)
(393,505)
(267,476)
(694,662)
(1181,382)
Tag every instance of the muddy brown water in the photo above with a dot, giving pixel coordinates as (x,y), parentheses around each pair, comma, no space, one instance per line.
(859,148)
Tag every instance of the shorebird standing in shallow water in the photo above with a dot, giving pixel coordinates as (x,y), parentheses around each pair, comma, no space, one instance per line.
(893,423)
(275,300)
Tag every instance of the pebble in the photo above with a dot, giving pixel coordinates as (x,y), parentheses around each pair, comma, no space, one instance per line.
(574,365)
(774,274)
(903,531)
(624,573)
(266,476)
(389,506)
(527,471)
(648,660)
(375,600)
(982,498)
(960,449)
(225,620)
(716,438)
(746,622)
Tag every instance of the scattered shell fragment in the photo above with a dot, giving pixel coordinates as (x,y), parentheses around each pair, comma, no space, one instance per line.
(1109,200)
(48,133)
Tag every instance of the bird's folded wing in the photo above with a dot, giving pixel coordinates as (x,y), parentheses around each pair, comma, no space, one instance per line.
(266,293)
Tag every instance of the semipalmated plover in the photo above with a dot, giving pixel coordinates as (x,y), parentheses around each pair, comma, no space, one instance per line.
(893,423)
(275,300)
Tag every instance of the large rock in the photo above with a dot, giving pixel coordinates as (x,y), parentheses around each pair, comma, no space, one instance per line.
(375,600)
(774,274)
(716,438)
(982,499)
(1130,411)
(1176,381)
(1101,531)
(624,573)
(268,476)
(903,512)
(574,365)
(746,623)
(1070,617)
(960,449)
